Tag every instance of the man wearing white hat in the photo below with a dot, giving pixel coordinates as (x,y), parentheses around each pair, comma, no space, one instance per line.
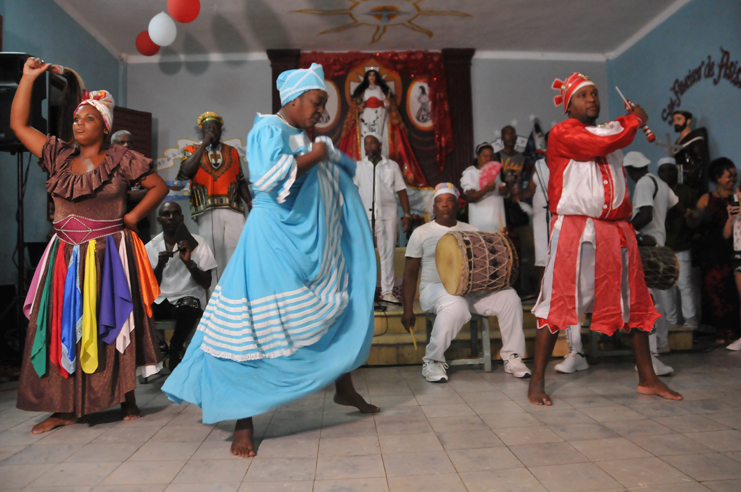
(679,238)
(652,200)
(377,173)
(452,312)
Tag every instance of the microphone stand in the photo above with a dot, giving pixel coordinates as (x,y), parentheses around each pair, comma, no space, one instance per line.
(376,304)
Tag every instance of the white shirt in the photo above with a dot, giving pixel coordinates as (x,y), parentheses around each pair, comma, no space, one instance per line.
(643,196)
(389,181)
(488,213)
(177,282)
(540,198)
(422,244)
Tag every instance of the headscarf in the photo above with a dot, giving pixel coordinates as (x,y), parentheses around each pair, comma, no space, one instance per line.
(209,116)
(444,188)
(569,87)
(293,83)
(103,102)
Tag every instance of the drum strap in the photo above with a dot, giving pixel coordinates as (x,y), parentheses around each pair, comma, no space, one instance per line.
(656,186)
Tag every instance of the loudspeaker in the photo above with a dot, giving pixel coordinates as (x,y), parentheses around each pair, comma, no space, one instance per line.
(11,70)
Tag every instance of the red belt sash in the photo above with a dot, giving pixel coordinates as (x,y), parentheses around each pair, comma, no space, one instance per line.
(77,230)
(373,103)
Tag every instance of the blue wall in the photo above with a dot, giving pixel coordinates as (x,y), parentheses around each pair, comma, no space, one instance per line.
(41,28)
(648,70)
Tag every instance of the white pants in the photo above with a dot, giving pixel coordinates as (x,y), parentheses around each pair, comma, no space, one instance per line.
(221,228)
(452,312)
(659,336)
(386,244)
(686,288)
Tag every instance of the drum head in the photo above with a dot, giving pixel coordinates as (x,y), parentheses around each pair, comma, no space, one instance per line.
(449,262)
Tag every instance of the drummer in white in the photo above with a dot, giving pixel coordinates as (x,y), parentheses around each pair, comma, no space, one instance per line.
(452,312)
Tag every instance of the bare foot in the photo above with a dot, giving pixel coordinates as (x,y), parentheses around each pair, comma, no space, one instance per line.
(536,393)
(355,400)
(56,420)
(129,409)
(242,444)
(658,388)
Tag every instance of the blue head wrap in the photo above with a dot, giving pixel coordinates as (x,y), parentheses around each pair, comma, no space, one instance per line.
(293,83)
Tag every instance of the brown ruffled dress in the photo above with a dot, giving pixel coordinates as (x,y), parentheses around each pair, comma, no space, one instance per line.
(99,194)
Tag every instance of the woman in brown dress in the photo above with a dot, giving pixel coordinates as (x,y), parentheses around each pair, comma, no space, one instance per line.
(90,328)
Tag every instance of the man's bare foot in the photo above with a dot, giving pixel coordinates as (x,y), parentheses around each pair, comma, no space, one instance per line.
(355,400)
(242,444)
(536,393)
(129,409)
(56,420)
(658,388)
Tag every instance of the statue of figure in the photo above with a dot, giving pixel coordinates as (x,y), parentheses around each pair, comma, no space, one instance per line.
(694,156)
(373,111)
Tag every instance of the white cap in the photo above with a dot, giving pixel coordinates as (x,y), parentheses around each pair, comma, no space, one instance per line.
(667,160)
(636,160)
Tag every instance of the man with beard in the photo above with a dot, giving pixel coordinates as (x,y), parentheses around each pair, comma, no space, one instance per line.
(694,156)
(593,263)
(376,172)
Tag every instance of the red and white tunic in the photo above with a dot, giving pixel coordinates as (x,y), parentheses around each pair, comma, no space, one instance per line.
(593,261)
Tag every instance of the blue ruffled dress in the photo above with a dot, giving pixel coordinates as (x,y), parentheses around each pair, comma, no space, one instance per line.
(293,310)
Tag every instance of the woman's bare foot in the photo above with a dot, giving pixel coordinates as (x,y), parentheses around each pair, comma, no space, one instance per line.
(536,393)
(129,409)
(346,394)
(355,400)
(658,388)
(56,420)
(242,444)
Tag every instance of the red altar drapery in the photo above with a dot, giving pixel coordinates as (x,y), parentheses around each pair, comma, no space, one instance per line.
(407,64)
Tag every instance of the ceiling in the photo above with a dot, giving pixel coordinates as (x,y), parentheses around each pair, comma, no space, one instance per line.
(242,26)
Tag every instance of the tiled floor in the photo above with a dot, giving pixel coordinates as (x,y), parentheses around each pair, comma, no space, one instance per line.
(477,433)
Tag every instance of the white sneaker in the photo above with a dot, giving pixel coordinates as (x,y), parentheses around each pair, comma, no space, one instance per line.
(660,368)
(516,367)
(434,371)
(573,362)
(735,345)
(389,297)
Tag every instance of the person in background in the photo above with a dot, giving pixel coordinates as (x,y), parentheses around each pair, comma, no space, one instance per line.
(720,300)
(184,282)
(485,204)
(679,233)
(383,174)
(733,228)
(136,193)
(653,202)
(217,189)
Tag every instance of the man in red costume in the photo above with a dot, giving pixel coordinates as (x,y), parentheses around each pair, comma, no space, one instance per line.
(593,262)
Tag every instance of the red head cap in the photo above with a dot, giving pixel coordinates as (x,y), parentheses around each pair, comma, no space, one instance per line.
(568,87)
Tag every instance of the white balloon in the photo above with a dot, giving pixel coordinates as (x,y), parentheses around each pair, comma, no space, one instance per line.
(162,29)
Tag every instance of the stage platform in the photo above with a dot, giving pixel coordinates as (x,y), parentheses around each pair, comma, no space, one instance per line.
(392,344)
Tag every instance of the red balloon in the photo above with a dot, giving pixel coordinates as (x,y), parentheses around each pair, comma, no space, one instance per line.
(145,45)
(184,11)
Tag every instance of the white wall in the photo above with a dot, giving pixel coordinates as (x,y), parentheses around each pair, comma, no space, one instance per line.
(505,90)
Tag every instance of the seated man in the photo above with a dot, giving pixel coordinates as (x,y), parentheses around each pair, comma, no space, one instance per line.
(183,282)
(454,311)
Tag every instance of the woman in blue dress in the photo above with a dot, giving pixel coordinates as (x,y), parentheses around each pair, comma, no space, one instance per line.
(293,311)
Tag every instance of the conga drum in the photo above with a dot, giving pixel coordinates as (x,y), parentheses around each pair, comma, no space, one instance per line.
(469,261)
(660,267)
